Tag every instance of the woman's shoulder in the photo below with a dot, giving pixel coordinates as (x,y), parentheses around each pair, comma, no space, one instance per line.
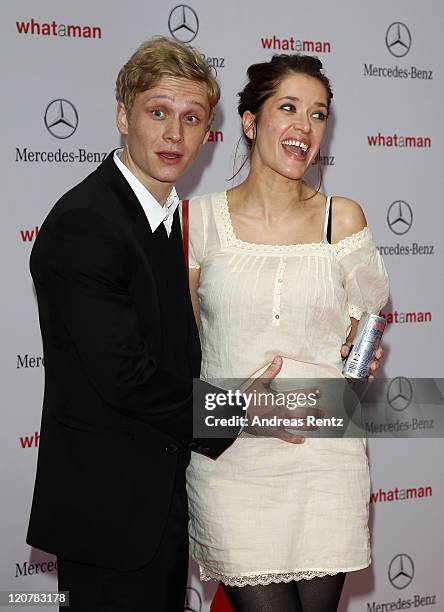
(204,209)
(348,218)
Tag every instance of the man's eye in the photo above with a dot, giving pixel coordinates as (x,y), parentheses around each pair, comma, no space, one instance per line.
(159,114)
(191,119)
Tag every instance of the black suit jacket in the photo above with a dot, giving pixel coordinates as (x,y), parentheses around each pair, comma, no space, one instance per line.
(117,410)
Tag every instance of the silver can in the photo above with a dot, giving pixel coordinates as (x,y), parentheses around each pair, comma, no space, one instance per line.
(368,334)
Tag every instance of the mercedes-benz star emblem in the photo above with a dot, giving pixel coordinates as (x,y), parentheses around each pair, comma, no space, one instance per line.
(61,118)
(183,23)
(398,39)
(399,217)
(400,393)
(193,600)
(401,571)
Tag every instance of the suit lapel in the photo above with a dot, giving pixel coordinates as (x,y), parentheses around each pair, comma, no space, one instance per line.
(110,174)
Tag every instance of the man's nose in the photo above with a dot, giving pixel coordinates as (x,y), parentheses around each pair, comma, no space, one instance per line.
(174,130)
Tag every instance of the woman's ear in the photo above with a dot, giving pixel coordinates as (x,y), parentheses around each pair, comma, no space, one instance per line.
(249,125)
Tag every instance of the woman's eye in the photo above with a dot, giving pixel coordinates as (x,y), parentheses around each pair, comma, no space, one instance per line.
(320,115)
(288,107)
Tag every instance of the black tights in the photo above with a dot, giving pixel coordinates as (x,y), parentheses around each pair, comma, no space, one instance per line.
(315,595)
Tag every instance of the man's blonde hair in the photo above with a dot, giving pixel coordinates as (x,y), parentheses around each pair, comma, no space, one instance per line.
(159,57)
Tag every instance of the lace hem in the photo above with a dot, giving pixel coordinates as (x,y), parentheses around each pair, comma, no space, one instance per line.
(353,242)
(233,240)
(264,579)
(341,248)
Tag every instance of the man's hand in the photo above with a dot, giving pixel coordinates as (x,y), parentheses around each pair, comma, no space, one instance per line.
(265,410)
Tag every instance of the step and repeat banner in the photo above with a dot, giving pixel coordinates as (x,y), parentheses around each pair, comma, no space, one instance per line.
(383,149)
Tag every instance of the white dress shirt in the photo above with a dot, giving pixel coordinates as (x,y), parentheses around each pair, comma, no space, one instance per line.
(154,211)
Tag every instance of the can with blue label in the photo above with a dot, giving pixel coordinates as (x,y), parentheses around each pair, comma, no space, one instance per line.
(366,340)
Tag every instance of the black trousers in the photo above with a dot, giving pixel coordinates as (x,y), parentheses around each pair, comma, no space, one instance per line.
(160,585)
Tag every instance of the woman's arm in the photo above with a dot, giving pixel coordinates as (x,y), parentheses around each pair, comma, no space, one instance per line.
(348,218)
(351,335)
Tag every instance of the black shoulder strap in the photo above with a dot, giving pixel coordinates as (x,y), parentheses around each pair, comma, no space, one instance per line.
(330,214)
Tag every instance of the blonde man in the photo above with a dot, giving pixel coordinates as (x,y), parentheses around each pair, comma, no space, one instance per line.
(121,348)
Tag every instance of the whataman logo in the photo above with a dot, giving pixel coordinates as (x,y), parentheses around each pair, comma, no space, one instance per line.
(399,141)
(276,43)
(31,441)
(52,28)
(400,494)
(29,235)
(395,317)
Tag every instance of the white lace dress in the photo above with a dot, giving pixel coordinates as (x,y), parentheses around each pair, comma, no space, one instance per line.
(268,511)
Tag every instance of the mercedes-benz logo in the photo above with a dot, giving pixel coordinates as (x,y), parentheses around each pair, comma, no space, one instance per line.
(399,217)
(183,23)
(401,571)
(193,600)
(61,119)
(398,39)
(399,393)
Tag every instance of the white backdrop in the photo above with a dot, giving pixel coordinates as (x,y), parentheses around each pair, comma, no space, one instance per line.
(383,150)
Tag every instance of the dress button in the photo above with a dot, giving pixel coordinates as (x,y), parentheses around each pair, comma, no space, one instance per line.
(276,316)
(171,449)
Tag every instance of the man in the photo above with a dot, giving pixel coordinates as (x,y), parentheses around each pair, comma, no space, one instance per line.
(121,348)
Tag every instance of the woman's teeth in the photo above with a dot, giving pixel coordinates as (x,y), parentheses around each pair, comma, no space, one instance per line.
(296,144)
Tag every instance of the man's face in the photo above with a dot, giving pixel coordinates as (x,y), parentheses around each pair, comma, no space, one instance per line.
(163,132)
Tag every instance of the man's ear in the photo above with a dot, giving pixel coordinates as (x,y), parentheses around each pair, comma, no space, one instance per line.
(122,119)
(249,125)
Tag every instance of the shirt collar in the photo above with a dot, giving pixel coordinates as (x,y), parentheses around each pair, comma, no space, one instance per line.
(154,211)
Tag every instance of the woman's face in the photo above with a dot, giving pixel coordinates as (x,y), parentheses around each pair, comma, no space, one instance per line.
(290,127)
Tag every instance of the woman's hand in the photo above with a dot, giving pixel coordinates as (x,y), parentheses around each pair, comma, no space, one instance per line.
(374,365)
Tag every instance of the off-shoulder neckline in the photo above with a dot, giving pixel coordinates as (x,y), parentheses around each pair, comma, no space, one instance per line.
(339,246)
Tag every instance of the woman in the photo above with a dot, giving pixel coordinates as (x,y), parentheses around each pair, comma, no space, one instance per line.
(279,268)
